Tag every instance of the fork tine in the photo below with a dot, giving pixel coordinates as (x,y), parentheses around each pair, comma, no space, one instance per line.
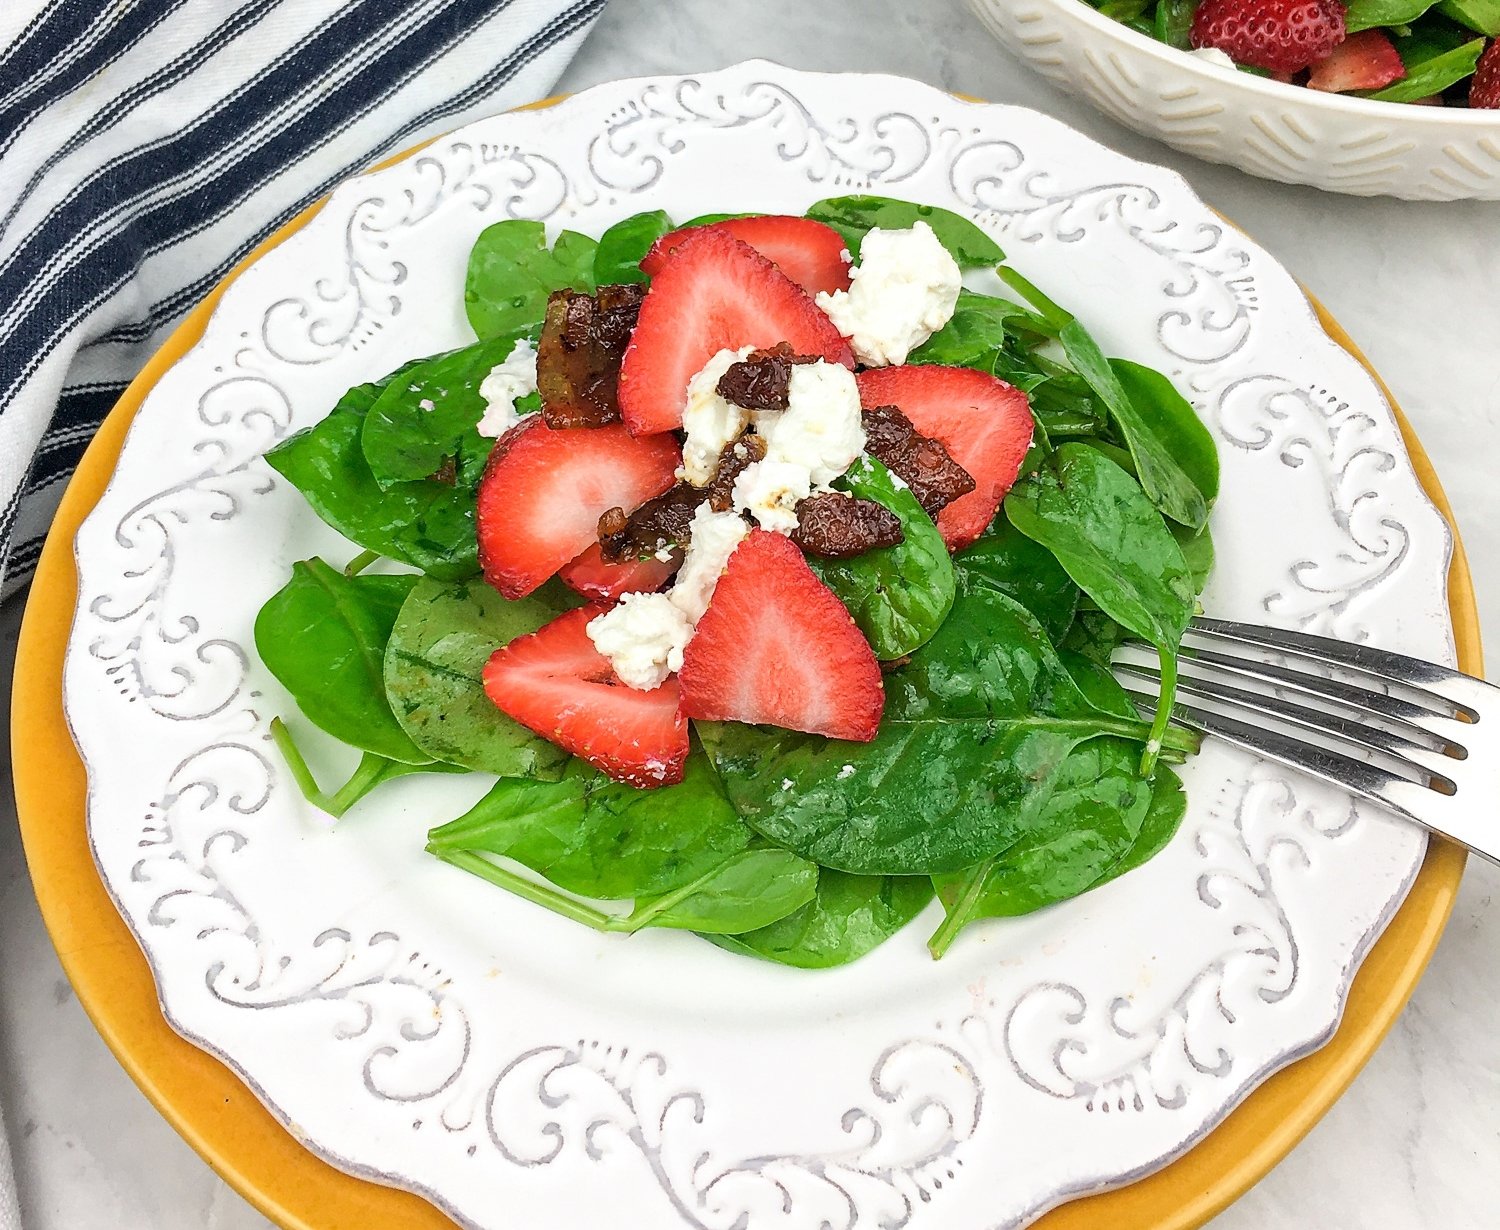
(1357,776)
(1392,708)
(1427,678)
(1408,740)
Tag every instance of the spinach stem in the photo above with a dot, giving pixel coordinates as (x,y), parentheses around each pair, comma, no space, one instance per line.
(360,562)
(301,774)
(642,915)
(1164,701)
(955,919)
(538,894)
(365,778)
(1055,316)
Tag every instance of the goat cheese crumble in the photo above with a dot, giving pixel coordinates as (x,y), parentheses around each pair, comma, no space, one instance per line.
(645,635)
(709,420)
(903,290)
(506,384)
(808,445)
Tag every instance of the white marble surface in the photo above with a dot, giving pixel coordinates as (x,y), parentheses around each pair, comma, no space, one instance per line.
(1413,1144)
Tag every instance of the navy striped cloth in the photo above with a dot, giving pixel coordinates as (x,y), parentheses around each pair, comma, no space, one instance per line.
(146,145)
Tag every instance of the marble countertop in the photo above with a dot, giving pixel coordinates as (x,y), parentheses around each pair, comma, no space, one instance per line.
(1413,1143)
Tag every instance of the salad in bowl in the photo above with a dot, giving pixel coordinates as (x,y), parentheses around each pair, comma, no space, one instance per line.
(771,571)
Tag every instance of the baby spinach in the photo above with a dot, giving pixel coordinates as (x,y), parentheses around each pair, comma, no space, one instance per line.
(1091,818)
(602,838)
(1197,553)
(425,418)
(976,726)
(899,596)
(849,917)
(1482,16)
(433,667)
(1025,570)
(853,216)
(429,525)
(980,328)
(625,244)
(1372,14)
(1097,521)
(323,636)
(1172,22)
(747,891)
(1163,818)
(1433,75)
(1175,457)
(512,271)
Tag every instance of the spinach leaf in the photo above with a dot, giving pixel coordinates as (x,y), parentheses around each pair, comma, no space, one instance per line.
(1097,521)
(849,917)
(323,636)
(427,416)
(710,219)
(1092,817)
(433,668)
(1480,15)
(602,838)
(1097,682)
(1094,635)
(512,271)
(1163,818)
(1172,22)
(980,328)
(1175,457)
(1197,553)
(1025,570)
(977,724)
(1432,76)
(624,246)
(852,216)
(1372,14)
(745,892)
(429,525)
(899,596)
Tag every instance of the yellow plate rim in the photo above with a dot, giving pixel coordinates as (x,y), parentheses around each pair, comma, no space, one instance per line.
(238,1137)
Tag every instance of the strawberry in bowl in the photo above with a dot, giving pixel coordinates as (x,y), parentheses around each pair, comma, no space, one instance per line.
(753,553)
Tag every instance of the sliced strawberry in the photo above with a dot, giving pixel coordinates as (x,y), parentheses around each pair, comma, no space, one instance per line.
(984,423)
(713,293)
(776,647)
(1367,60)
(542,494)
(556,683)
(813,255)
(592,577)
(1283,36)
(1484,89)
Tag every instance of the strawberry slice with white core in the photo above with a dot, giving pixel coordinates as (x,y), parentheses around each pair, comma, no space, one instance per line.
(554,682)
(813,255)
(713,293)
(776,647)
(1366,60)
(594,577)
(544,490)
(984,423)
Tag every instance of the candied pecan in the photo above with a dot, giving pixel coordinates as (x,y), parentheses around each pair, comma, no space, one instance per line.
(736,457)
(761,380)
(578,357)
(656,524)
(921,462)
(840,526)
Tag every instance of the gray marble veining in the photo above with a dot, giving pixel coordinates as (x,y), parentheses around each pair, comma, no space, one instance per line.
(1413,1143)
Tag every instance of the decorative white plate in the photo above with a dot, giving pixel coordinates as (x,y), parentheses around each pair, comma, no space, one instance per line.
(418,1027)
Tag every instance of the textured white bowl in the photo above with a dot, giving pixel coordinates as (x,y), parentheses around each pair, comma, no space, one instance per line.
(1283,132)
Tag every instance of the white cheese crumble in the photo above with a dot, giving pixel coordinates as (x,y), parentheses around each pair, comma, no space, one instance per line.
(426,404)
(902,292)
(1212,55)
(506,384)
(808,445)
(645,635)
(846,773)
(709,420)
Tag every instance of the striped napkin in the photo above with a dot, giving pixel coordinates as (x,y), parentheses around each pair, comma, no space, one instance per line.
(146,145)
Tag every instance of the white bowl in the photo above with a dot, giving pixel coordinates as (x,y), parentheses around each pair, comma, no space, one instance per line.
(1283,132)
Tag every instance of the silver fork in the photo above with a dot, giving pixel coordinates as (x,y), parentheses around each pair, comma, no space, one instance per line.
(1411,735)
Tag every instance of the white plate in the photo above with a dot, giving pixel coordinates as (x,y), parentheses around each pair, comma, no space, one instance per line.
(416,1026)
